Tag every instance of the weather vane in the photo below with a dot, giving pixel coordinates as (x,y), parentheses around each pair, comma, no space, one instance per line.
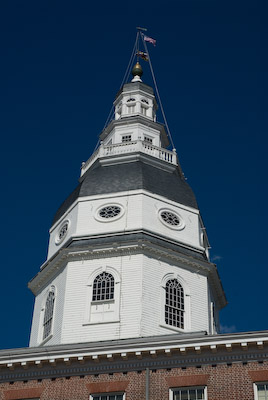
(141,29)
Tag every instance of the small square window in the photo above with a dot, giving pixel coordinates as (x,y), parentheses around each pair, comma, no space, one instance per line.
(148,139)
(126,138)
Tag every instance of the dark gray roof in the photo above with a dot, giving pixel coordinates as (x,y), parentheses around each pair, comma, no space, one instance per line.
(135,86)
(101,179)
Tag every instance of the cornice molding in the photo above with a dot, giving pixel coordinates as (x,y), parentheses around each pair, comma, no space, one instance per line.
(146,158)
(132,245)
(135,119)
(130,355)
(66,366)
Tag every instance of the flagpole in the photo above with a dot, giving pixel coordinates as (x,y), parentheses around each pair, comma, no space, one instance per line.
(139,29)
(137,49)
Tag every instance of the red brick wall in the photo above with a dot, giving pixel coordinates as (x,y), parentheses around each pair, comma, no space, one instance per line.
(224,382)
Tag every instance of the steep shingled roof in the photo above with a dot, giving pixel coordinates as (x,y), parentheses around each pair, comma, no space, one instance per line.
(131,176)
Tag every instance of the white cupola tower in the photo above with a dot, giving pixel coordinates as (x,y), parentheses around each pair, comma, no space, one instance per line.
(128,252)
(135,98)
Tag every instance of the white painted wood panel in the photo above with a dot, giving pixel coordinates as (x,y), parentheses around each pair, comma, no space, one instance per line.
(38,316)
(140,211)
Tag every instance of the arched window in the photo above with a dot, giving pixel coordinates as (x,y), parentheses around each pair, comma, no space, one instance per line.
(48,316)
(103,287)
(174,305)
(144,110)
(103,290)
(145,101)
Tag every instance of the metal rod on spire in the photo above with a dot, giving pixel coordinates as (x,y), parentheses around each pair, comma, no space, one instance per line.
(157,92)
(130,61)
(123,81)
(138,43)
(135,52)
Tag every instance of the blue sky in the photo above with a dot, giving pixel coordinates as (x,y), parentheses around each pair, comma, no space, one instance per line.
(62,64)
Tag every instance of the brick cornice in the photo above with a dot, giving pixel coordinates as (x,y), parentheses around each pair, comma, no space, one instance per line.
(107,387)
(187,380)
(259,376)
(30,393)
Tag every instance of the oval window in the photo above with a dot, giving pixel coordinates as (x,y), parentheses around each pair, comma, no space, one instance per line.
(62,232)
(171,219)
(109,212)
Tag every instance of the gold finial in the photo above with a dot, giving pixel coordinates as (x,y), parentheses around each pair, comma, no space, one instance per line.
(137,70)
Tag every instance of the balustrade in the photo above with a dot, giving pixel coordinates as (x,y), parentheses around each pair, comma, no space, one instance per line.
(130,147)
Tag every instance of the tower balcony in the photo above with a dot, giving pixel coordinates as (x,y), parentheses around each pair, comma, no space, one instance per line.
(136,146)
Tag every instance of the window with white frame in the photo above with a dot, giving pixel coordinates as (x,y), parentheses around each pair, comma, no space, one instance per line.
(107,396)
(103,293)
(109,212)
(145,101)
(119,108)
(131,109)
(174,304)
(126,138)
(131,104)
(103,287)
(170,218)
(144,110)
(189,393)
(49,311)
(261,391)
(62,232)
(148,139)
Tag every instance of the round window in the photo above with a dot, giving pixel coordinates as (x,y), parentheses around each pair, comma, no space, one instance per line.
(171,219)
(109,212)
(62,232)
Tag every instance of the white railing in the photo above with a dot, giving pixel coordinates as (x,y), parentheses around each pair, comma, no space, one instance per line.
(130,147)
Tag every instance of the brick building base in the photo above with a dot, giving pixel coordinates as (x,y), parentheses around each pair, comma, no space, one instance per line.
(224,382)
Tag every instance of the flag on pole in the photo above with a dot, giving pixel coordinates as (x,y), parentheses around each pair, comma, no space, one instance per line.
(149,39)
(143,55)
